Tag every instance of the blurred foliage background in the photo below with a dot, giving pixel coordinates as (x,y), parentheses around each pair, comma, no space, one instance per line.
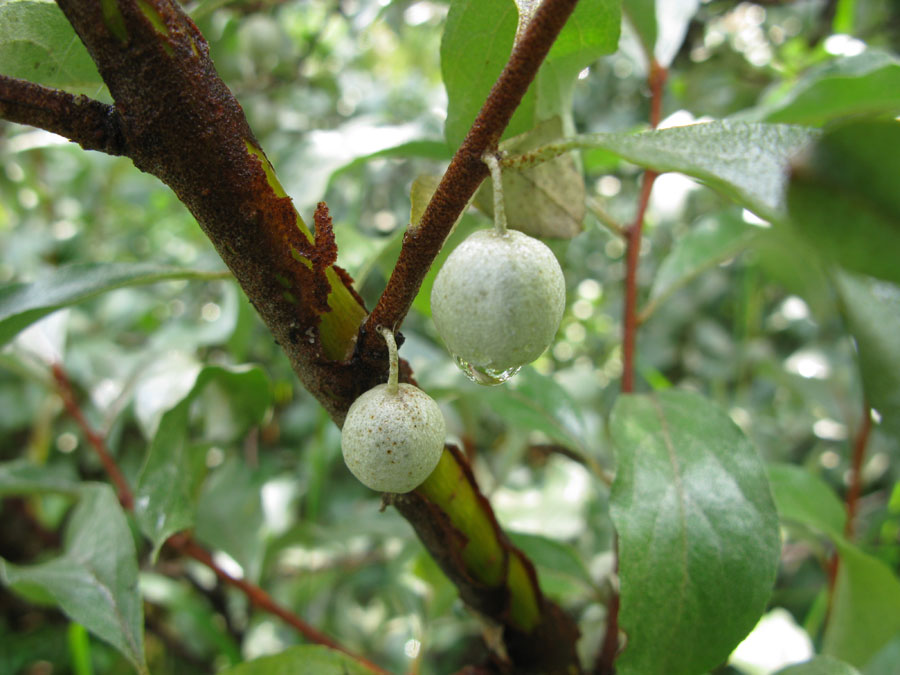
(347,99)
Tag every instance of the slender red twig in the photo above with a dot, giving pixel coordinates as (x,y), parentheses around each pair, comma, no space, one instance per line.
(609,649)
(851,501)
(657,81)
(859,454)
(632,255)
(467,170)
(64,387)
(186,545)
(182,542)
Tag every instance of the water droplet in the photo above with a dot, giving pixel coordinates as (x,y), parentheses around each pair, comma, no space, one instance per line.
(486,376)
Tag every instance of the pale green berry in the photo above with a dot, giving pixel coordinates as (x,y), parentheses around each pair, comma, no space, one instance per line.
(498,300)
(392,440)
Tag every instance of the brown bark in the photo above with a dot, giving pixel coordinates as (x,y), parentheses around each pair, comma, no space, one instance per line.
(177,120)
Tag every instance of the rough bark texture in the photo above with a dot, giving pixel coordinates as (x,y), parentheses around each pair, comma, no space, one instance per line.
(177,120)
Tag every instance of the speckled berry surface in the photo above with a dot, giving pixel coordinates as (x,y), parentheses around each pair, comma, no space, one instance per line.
(498,299)
(392,441)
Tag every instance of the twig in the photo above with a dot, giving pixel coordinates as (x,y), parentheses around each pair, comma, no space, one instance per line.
(182,542)
(851,501)
(64,387)
(466,171)
(632,254)
(92,124)
(859,454)
(605,663)
(186,545)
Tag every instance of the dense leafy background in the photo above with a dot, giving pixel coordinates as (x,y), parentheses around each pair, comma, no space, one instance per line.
(349,101)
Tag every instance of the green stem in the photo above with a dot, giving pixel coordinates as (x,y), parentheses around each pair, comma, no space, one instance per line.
(497,179)
(393,359)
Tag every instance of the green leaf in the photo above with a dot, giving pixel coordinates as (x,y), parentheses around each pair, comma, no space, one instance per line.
(552,555)
(425,149)
(747,162)
(820,665)
(302,659)
(710,242)
(661,26)
(21,304)
(175,467)
(592,31)
(865,607)
(22,477)
(230,516)
(546,200)
(867,84)
(95,580)
(698,533)
(477,42)
(804,498)
(37,43)
(536,402)
(843,197)
(478,39)
(642,16)
(420,193)
(886,660)
(872,311)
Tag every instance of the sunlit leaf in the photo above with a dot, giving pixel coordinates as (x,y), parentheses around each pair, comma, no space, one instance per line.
(867,84)
(95,581)
(697,531)
(478,40)
(21,304)
(175,466)
(747,162)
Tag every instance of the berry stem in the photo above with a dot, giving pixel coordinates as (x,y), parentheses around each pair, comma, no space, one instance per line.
(496,178)
(394,360)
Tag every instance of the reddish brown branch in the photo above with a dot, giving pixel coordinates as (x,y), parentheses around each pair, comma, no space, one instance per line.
(187,546)
(851,501)
(610,647)
(605,663)
(632,256)
(657,81)
(183,542)
(91,124)
(859,454)
(64,387)
(466,170)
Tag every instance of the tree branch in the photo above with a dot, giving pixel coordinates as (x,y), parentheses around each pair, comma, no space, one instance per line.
(183,542)
(91,124)
(64,388)
(467,170)
(609,650)
(182,124)
(187,546)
